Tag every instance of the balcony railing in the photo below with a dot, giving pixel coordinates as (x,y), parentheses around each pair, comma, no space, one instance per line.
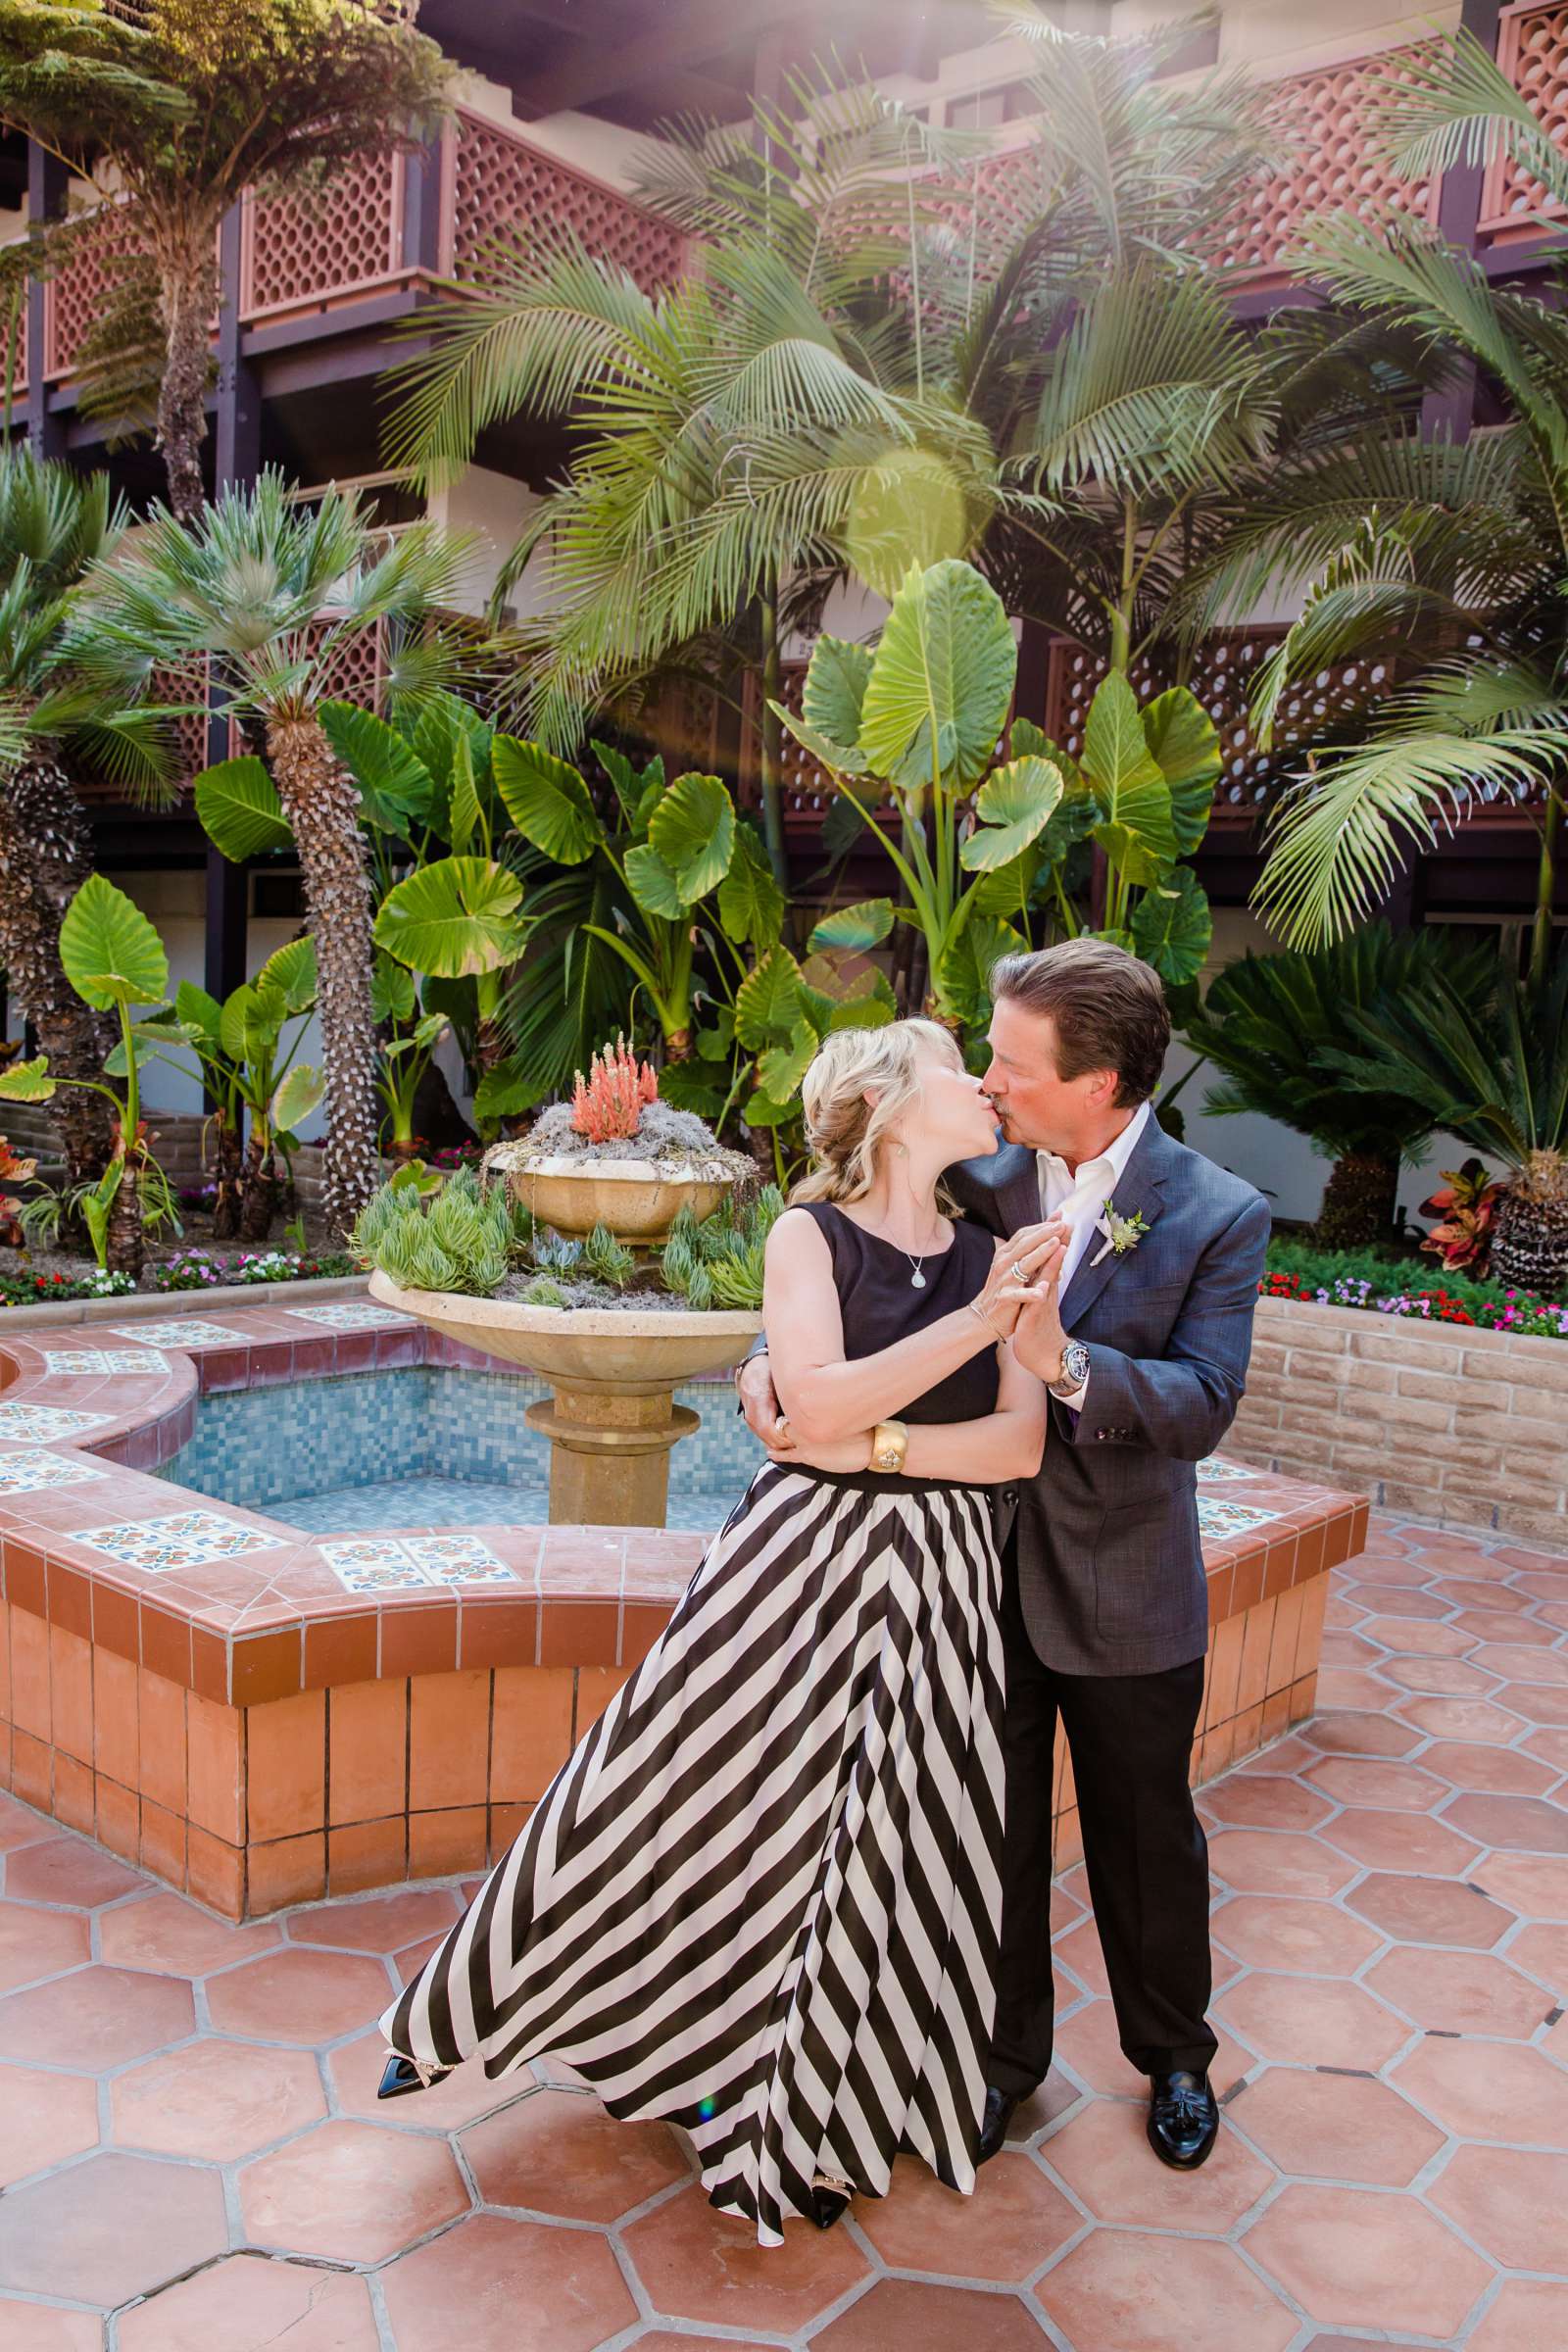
(312,250)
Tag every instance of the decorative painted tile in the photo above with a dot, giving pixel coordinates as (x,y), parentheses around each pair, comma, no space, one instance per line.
(181,1540)
(103,1361)
(391,1578)
(183,1331)
(1215,1471)
(366,1552)
(349,1314)
(458,1560)
(24,1473)
(1218,1516)
(45,1421)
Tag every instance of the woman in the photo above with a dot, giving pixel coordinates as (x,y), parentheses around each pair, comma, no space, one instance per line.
(762,1899)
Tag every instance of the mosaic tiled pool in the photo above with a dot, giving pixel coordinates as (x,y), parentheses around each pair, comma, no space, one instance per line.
(425,1447)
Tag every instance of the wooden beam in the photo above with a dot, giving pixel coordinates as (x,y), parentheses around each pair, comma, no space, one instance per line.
(596,70)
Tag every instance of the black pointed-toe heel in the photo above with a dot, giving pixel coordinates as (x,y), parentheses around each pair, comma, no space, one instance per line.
(402,2075)
(830,2200)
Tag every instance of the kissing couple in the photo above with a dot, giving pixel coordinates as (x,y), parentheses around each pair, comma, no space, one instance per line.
(792,1891)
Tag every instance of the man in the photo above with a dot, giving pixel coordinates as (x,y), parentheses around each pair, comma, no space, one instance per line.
(1143,1341)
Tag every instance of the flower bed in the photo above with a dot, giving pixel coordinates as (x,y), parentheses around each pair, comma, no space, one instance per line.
(206,1269)
(1395,1287)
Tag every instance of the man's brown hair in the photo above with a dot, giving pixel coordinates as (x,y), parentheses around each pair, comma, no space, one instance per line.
(1107,1008)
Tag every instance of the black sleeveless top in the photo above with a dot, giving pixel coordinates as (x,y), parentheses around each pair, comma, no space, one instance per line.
(880,1304)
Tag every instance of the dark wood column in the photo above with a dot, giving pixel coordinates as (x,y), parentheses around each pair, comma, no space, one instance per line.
(48,177)
(1451,412)
(236,461)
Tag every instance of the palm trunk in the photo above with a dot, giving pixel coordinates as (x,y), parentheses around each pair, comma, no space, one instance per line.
(1359,1201)
(230,1175)
(772,750)
(189,299)
(259,1195)
(123,1243)
(321,804)
(45,856)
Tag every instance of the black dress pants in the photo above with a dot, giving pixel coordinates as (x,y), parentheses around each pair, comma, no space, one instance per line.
(1129,1737)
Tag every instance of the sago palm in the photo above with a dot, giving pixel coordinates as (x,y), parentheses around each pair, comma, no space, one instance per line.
(1267,1023)
(274,595)
(54,523)
(1445,557)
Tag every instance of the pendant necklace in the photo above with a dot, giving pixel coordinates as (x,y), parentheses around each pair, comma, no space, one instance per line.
(917,1279)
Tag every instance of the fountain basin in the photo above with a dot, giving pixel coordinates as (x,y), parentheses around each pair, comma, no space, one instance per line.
(637,1199)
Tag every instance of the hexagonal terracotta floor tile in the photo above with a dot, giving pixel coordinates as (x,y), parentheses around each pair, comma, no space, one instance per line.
(1536,1885)
(697,2264)
(109,2228)
(1403,1842)
(462,2098)
(217,2099)
(1459,1992)
(1543,1951)
(1352,1735)
(918,2317)
(47,2118)
(68,1869)
(1483,2091)
(1511,2201)
(1525,1823)
(1120,2292)
(376,1923)
(177,1938)
(96,2018)
(1335,2126)
(558,2152)
(1360,2258)
(1107,2161)
(1306,2021)
(1283,1931)
(37,1943)
(245,2303)
(1374,1780)
(299,1996)
(351,2194)
(1509,1770)
(1264,1802)
(1523,1661)
(1418,1910)
(1447,1678)
(1032,2114)
(38,2328)
(1462,1719)
(496,2285)
(1524,2311)
(1277,1862)
(1418,1637)
(1013,2223)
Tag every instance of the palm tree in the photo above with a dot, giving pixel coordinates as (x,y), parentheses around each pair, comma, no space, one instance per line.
(1269,1021)
(1445,558)
(54,524)
(180,109)
(274,595)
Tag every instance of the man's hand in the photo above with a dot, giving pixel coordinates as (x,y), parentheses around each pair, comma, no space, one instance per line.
(759,1404)
(1038,1337)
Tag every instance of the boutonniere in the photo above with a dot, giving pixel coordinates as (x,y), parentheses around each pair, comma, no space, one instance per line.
(1122,1234)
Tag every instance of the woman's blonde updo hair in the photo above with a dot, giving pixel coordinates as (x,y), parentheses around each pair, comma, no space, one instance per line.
(844,1129)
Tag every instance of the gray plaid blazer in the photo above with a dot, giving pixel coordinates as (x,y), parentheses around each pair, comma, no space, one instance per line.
(1110,1572)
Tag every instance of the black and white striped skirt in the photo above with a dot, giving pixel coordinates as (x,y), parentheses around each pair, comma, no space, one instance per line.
(762,1899)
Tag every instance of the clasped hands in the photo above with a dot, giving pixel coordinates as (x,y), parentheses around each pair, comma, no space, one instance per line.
(1019,1302)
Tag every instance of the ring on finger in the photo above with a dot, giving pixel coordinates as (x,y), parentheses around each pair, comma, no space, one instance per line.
(1016,1268)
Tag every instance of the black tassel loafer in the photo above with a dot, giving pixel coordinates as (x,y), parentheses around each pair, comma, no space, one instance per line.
(1183,2119)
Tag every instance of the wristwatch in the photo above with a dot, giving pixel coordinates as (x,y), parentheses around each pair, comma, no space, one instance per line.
(890,1441)
(1074,1369)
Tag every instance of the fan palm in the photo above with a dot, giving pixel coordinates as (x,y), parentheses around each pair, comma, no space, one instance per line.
(54,523)
(184,103)
(1492,1067)
(1450,558)
(274,595)
(1267,1023)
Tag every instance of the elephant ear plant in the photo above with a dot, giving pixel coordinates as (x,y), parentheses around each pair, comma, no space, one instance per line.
(114,958)
(256,1081)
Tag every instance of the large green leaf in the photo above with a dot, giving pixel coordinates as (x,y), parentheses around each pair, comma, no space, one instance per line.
(863,926)
(782,1067)
(839,758)
(198,1010)
(512,1086)
(546,800)
(628,784)
(653,885)
(27,1081)
(252,1021)
(768,1001)
(1172,926)
(941,678)
(750,903)
(1184,746)
(291,968)
(835,689)
(239,809)
(1012,805)
(690,1085)
(454,917)
(963,975)
(1136,832)
(153,1040)
(392,996)
(395,785)
(111,954)
(692,831)
(297,1097)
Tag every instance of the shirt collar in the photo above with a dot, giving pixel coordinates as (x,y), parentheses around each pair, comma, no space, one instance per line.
(1113,1158)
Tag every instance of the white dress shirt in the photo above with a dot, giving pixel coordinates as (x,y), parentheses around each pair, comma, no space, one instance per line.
(1080,1199)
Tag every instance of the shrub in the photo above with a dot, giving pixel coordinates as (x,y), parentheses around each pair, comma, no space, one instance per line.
(1362,1278)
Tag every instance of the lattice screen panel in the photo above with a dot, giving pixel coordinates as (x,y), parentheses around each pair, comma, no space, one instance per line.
(1329,164)
(76,300)
(503,185)
(312,243)
(1532,53)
